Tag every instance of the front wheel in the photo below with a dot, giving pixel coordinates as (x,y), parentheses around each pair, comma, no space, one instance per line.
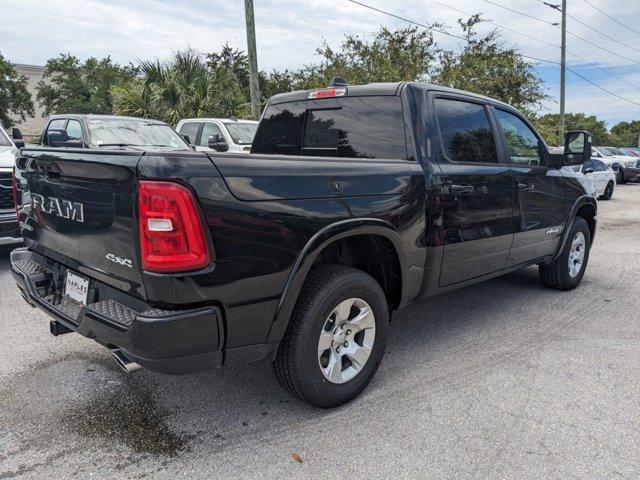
(566,272)
(620,176)
(336,337)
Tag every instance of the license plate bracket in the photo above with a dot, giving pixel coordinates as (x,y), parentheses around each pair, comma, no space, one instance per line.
(77,288)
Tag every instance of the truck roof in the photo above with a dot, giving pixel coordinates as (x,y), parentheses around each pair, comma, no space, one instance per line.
(371,89)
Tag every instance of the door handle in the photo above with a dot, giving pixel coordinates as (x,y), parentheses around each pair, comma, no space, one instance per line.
(526,187)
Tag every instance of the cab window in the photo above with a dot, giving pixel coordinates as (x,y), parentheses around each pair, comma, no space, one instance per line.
(190,130)
(208,130)
(522,143)
(74,130)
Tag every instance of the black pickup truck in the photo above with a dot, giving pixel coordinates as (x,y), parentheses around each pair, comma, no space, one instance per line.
(354,202)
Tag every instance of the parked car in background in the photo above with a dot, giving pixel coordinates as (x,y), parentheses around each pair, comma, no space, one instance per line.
(635,152)
(109,131)
(627,167)
(9,231)
(219,134)
(602,176)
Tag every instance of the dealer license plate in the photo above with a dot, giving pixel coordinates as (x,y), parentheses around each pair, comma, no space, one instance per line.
(77,288)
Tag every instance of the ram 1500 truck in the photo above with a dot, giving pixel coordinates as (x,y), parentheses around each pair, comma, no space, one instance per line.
(354,202)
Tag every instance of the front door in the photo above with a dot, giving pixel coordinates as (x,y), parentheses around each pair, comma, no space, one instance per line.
(539,207)
(477,191)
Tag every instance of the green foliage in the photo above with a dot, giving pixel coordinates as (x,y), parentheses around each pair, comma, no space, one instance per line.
(625,134)
(186,86)
(72,86)
(391,56)
(549,127)
(14,96)
(486,67)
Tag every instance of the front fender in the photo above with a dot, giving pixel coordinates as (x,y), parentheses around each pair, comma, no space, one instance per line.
(308,255)
(577,205)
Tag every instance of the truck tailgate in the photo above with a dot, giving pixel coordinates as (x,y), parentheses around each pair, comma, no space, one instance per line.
(79,208)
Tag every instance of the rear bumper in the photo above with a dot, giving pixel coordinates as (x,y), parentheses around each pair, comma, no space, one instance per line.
(166,341)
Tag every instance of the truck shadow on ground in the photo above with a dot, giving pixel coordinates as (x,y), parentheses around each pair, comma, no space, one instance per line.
(151,414)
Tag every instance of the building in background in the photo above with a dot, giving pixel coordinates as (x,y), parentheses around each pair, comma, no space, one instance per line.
(32,125)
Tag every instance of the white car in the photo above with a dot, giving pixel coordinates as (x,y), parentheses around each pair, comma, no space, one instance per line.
(627,167)
(218,134)
(9,232)
(601,175)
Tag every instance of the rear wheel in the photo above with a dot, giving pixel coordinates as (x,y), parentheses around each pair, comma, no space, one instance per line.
(336,337)
(566,272)
(608,192)
(620,176)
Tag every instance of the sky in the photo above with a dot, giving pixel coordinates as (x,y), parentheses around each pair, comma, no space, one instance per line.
(288,32)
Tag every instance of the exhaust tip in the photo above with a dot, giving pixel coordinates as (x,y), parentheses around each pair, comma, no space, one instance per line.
(125,364)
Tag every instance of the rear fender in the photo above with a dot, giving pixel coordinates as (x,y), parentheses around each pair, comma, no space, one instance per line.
(313,248)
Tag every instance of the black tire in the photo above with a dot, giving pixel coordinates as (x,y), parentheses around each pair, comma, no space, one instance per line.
(556,275)
(608,192)
(620,176)
(297,366)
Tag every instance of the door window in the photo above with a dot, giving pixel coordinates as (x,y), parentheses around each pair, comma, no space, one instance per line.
(522,142)
(191,130)
(588,165)
(599,166)
(208,130)
(465,131)
(74,130)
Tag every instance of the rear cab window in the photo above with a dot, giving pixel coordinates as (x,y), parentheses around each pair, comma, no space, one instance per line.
(346,127)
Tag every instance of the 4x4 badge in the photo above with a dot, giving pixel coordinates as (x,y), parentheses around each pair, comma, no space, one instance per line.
(120,261)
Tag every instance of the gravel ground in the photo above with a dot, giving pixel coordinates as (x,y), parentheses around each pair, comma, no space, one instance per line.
(505,379)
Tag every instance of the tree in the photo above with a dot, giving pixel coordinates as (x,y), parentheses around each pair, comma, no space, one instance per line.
(186,86)
(486,67)
(72,86)
(549,127)
(14,97)
(391,56)
(625,134)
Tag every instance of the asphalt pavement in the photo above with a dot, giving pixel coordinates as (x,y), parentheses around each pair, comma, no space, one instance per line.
(504,379)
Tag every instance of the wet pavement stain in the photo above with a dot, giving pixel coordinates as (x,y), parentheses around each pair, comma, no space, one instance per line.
(136,422)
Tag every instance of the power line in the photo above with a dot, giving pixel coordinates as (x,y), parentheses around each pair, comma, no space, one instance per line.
(603,34)
(538,39)
(384,12)
(557,25)
(607,15)
(522,13)
(496,24)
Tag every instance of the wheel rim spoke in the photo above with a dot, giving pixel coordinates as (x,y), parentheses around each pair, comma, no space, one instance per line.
(577,254)
(344,337)
(363,320)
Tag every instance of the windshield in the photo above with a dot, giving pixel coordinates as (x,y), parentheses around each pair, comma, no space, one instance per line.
(612,151)
(242,133)
(134,133)
(4,140)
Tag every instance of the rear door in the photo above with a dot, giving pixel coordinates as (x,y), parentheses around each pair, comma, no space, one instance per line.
(477,190)
(539,207)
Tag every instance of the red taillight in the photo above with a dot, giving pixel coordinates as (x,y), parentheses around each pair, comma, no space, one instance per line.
(15,193)
(172,237)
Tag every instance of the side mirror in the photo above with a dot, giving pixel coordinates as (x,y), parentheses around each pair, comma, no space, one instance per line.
(16,136)
(186,138)
(217,143)
(59,138)
(588,170)
(577,147)
(56,138)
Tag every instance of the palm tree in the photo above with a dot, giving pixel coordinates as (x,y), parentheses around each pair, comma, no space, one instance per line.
(181,88)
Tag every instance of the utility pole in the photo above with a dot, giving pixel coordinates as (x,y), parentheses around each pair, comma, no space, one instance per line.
(563,66)
(254,85)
